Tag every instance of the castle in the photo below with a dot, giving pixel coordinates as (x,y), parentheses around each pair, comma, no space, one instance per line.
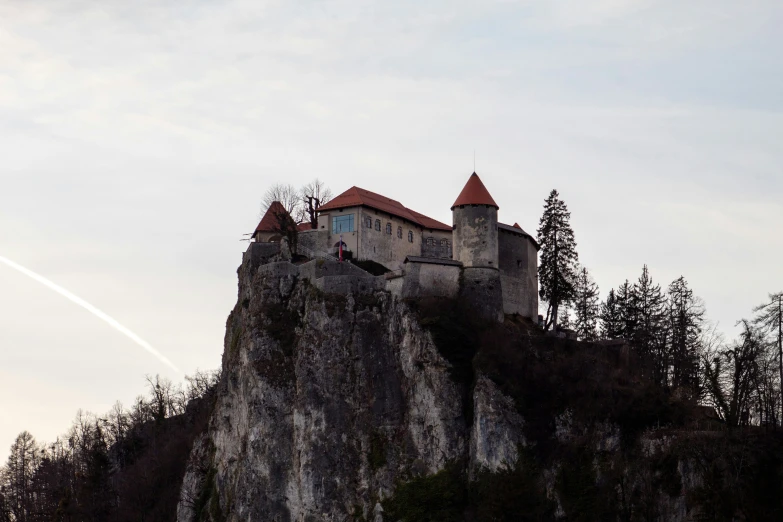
(491,264)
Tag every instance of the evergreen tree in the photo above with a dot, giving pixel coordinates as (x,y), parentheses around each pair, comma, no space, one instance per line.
(770,318)
(611,317)
(685,321)
(586,307)
(557,271)
(650,333)
(627,308)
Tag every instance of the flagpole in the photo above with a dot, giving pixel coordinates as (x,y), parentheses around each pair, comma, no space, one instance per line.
(341,248)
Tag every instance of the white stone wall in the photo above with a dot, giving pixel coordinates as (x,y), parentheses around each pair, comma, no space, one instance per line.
(387,249)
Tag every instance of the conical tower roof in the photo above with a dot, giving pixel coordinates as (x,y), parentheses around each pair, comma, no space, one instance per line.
(270,222)
(474,193)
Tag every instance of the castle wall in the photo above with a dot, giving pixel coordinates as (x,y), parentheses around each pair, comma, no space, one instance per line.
(518,263)
(476,236)
(319,268)
(481,288)
(428,280)
(381,247)
(432,243)
(311,242)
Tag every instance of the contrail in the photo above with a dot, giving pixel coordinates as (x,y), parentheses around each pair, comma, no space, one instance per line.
(90,308)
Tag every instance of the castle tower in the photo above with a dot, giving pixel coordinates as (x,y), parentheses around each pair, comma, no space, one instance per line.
(475,245)
(475,235)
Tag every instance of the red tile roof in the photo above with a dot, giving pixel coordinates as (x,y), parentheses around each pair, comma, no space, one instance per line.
(428,222)
(474,193)
(270,223)
(355,196)
(301,227)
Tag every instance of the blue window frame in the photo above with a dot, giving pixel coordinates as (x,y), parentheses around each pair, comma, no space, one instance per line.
(341,224)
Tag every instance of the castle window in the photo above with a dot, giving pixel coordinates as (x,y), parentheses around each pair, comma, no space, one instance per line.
(430,240)
(342,224)
(444,242)
(368,222)
(410,236)
(377,224)
(399,232)
(388,228)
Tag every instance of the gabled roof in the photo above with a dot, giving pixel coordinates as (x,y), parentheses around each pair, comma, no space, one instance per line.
(355,197)
(270,223)
(474,193)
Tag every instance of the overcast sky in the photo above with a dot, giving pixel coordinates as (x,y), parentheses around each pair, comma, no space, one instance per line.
(136,140)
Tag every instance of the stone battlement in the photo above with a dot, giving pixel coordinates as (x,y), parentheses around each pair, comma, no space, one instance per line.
(419,277)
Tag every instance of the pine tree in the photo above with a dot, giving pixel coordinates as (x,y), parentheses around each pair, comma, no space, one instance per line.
(685,321)
(770,318)
(557,271)
(611,317)
(649,336)
(586,306)
(627,308)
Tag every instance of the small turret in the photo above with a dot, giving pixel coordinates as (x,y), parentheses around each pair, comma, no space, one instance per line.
(475,216)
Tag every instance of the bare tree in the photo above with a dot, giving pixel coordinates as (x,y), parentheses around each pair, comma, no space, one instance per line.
(313,195)
(200,383)
(117,422)
(770,318)
(19,474)
(288,196)
(732,374)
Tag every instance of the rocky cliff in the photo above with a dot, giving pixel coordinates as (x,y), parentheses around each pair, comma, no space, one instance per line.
(340,407)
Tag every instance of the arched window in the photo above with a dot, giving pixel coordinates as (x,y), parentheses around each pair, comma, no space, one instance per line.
(388,228)
(410,236)
(368,222)
(378,224)
(444,242)
(430,240)
(399,232)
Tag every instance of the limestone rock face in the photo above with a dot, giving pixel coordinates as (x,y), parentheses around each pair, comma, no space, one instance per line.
(496,434)
(325,402)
